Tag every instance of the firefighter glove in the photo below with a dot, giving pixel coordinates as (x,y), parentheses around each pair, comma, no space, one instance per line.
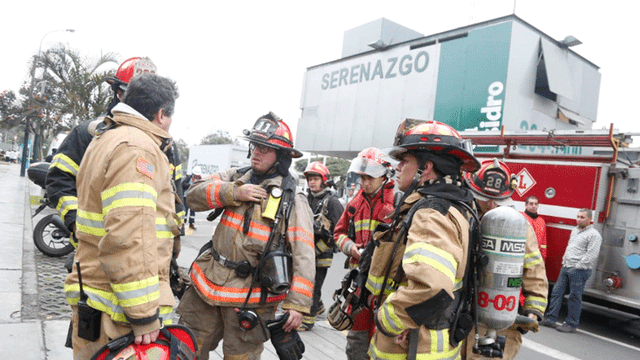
(288,345)
(525,324)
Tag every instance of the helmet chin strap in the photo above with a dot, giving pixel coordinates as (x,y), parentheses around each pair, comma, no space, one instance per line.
(414,184)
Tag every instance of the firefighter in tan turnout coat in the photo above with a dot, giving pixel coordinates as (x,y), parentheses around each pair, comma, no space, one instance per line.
(126,221)
(222,276)
(418,264)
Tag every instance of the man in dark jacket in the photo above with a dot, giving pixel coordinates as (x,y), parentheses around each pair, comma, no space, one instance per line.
(326,212)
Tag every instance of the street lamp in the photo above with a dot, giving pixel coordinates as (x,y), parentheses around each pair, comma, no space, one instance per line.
(25,144)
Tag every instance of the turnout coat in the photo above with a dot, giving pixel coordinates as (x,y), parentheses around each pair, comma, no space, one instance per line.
(431,264)
(241,236)
(126,224)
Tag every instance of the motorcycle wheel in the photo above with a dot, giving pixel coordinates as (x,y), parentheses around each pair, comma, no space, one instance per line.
(51,240)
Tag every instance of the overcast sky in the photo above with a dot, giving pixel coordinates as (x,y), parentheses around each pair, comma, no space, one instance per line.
(236,60)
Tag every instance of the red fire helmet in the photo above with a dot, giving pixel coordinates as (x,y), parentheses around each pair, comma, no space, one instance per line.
(129,69)
(271,131)
(493,181)
(438,138)
(317,168)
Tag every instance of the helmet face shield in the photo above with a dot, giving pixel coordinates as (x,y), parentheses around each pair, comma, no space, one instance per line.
(363,166)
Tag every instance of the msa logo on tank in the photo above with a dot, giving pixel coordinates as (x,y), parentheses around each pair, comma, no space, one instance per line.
(507,246)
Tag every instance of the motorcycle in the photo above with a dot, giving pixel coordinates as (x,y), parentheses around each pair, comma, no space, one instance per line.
(50,235)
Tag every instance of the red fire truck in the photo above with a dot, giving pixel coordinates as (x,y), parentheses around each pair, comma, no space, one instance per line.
(570,170)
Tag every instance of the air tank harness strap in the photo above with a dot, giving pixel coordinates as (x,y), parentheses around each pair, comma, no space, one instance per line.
(242,268)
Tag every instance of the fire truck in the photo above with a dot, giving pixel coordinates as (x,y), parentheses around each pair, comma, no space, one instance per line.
(570,170)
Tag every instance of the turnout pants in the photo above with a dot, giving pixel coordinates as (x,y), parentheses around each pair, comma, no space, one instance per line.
(211,324)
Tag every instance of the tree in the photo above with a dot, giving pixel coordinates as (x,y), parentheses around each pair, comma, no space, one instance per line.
(8,110)
(68,89)
(76,87)
(218,138)
(336,166)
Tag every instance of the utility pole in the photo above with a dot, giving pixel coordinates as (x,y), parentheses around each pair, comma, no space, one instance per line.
(25,144)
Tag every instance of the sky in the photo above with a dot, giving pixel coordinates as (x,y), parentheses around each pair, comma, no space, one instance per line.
(234,61)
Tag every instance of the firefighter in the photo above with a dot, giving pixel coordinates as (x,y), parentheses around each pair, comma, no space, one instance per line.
(492,186)
(231,298)
(326,212)
(370,206)
(126,223)
(530,212)
(61,178)
(420,260)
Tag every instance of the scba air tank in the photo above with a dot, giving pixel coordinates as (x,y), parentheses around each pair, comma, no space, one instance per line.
(504,239)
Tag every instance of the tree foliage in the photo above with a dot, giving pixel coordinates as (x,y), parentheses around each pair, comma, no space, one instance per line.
(218,138)
(68,88)
(336,166)
(8,111)
(75,85)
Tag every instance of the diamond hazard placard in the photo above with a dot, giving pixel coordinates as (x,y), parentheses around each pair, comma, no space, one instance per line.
(525,181)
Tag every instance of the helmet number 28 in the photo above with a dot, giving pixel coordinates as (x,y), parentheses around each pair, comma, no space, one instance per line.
(494,182)
(500,302)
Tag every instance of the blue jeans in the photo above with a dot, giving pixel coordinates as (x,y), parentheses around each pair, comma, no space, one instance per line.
(576,279)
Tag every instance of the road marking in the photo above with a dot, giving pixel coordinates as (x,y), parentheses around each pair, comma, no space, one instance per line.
(610,340)
(556,354)
(537,347)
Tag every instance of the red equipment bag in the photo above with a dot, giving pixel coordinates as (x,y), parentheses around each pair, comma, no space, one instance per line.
(175,342)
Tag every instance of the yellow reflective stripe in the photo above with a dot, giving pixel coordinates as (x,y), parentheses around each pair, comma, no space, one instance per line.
(450,354)
(361,224)
(324,262)
(66,204)
(64,163)
(137,292)
(90,223)
(390,319)
(342,241)
(166,313)
(320,245)
(178,171)
(374,284)
(365,224)
(457,285)
(438,259)
(128,194)
(373,224)
(73,242)
(535,302)
(162,229)
(532,259)
(439,339)
(107,302)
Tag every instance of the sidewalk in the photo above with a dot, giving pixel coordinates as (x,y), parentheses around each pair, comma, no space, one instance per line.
(22,335)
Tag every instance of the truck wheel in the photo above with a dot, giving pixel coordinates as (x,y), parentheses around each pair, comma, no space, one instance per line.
(51,240)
